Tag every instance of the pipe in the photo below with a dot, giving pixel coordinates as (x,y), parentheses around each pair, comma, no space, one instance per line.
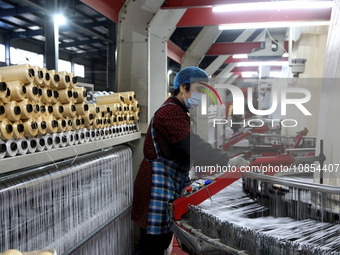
(294,183)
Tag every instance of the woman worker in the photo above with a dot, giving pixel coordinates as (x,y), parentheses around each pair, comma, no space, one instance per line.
(168,148)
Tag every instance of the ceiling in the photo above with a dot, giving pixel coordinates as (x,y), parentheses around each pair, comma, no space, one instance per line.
(86,33)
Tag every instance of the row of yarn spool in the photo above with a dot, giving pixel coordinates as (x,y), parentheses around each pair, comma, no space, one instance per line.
(17,252)
(35,101)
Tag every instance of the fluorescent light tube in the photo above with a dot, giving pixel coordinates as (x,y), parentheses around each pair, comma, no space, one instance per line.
(273,24)
(240,56)
(277,5)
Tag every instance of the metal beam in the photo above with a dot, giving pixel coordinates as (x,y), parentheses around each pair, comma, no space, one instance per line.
(111,57)
(16,11)
(108,8)
(77,43)
(89,31)
(91,54)
(235,48)
(7,50)
(205,16)
(215,65)
(27,34)
(51,30)
(232,79)
(175,52)
(200,46)
(31,33)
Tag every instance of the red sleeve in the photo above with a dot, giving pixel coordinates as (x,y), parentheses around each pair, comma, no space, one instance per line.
(173,123)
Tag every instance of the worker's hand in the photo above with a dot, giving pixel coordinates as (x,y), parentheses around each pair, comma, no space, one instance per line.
(238,161)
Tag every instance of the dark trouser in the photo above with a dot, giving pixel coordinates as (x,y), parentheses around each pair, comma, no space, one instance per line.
(153,244)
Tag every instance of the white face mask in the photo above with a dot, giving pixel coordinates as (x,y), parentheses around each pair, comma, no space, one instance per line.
(193,101)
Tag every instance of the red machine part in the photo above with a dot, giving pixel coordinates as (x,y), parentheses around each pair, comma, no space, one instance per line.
(298,138)
(240,136)
(180,205)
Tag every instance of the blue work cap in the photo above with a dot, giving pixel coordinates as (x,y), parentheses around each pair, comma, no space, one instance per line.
(189,75)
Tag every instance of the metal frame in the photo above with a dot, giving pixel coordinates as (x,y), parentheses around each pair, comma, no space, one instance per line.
(39,158)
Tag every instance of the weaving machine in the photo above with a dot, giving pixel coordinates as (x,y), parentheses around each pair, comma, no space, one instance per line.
(77,206)
(262,215)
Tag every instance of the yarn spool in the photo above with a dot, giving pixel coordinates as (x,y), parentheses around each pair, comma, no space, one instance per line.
(62,125)
(36,109)
(42,126)
(3,89)
(7,98)
(23,73)
(55,79)
(6,129)
(47,95)
(70,110)
(65,80)
(73,82)
(128,97)
(18,90)
(32,92)
(55,97)
(2,112)
(13,111)
(82,108)
(65,96)
(82,95)
(46,78)
(58,110)
(26,109)
(110,99)
(31,128)
(38,75)
(52,124)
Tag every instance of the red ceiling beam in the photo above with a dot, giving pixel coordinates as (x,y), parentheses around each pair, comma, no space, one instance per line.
(237,60)
(205,17)
(175,52)
(109,8)
(235,48)
(180,4)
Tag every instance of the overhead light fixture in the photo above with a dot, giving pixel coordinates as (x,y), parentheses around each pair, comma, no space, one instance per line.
(249,74)
(285,55)
(240,56)
(275,24)
(276,5)
(59,19)
(275,74)
(264,63)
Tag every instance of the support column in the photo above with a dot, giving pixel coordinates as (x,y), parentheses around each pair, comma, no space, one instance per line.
(7,51)
(51,36)
(160,30)
(72,63)
(328,123)
(200,46)
(111,57)
(133,51)
(93,74)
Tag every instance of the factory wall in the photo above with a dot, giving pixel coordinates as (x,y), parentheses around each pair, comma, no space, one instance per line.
(309,43)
